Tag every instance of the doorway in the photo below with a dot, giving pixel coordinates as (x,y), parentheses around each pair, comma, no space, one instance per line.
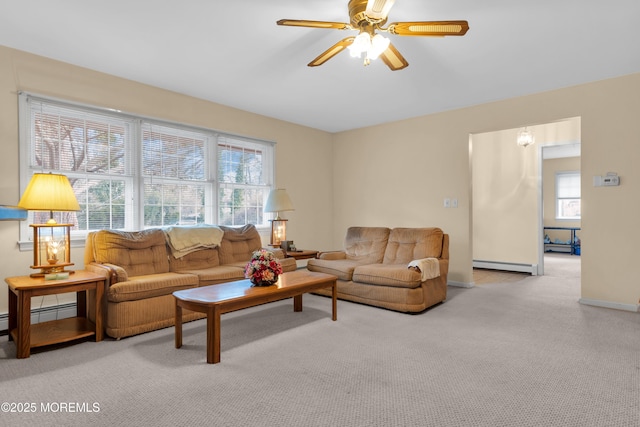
(509,201)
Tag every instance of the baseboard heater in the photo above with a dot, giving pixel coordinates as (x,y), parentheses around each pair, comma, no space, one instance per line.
(44,314)
(507,266)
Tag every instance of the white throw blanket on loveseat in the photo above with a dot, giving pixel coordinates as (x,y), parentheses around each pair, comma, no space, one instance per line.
(429,267)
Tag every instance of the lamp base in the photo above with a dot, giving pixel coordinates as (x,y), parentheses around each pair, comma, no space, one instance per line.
(44,270)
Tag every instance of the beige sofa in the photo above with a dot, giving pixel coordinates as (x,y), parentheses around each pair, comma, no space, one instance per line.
(143,269)
(374,268)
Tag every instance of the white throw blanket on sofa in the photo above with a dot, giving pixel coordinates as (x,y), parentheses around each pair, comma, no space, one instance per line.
(184,240)
(429,267)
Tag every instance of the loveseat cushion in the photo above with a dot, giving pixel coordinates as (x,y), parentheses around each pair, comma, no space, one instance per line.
(366,244)
(342,268)
(408,244)
(238,244)
(137,252)
(394,275)
(150,285)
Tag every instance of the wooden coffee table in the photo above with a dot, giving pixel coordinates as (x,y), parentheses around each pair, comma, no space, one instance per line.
(225,297)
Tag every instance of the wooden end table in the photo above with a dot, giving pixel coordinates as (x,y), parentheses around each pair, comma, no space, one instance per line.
(27,336)
(302,254)
(215,300)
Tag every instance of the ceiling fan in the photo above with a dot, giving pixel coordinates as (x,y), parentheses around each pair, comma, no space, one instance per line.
(369,16)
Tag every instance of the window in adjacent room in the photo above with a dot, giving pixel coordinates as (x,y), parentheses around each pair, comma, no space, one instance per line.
(568,195)
(131,173)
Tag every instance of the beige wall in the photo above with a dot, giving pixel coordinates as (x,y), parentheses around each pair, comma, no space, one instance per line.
(399,173)
(395,174)
(505,200)
(303,155)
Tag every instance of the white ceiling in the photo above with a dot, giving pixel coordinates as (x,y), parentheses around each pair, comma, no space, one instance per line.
(233,53)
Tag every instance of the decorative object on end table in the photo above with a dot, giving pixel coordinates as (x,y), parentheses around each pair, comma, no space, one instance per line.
(51,241)
(263,269)
(278,201)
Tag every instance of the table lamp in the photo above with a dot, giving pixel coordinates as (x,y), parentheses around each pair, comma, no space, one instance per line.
(278,201)
(51,241)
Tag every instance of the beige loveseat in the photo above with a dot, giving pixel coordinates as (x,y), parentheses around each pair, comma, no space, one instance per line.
(377,267)
(144,268)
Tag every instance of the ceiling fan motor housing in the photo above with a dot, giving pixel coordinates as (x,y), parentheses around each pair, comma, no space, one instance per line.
(358,17)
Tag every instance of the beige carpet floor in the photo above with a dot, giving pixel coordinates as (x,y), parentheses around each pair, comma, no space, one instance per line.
(519,354)
(483,276)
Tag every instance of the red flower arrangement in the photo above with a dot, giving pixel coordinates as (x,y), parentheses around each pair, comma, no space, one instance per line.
(263,269)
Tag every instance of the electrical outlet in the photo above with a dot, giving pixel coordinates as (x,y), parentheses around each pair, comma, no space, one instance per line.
(454,203)
(447,203)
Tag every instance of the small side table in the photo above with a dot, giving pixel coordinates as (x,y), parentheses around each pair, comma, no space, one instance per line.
(27,336)
(302,254)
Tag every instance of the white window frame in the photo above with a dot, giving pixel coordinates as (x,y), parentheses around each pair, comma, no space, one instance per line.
(134,178)
(563,193)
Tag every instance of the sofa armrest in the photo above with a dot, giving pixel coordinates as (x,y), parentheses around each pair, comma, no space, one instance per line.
(113,273)
(332,255)
(428,267)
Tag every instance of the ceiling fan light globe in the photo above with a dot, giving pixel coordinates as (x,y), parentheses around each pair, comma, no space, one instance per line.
(379,44)
(361,44)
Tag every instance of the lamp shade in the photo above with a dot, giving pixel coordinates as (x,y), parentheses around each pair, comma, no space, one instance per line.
(278,201)
(49,192)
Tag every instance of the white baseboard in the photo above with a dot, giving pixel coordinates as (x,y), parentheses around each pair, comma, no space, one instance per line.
(507,266)
(609,304)
(39,315)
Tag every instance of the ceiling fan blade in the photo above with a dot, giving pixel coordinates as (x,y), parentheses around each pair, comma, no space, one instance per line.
(331,52)
(314,24)
(429,28)
(378,9)
(393,58)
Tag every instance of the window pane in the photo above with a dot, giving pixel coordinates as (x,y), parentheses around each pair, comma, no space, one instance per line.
(102,202)
(568,195)
(568,185)
(569,208)
(173,153)
(173,204)
(240,165)
(239,206)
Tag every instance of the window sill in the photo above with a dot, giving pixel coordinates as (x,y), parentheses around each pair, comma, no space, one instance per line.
(27,246)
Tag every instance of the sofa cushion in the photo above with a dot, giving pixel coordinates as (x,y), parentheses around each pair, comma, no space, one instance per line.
(137,252)
(342,268)
(238,244)
(218,274)
(394,275)
(150,285)
(366,244)
(407,244)
(197,260)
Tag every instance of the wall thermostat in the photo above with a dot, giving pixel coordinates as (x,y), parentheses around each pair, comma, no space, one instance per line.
(609,180)
(612,179)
